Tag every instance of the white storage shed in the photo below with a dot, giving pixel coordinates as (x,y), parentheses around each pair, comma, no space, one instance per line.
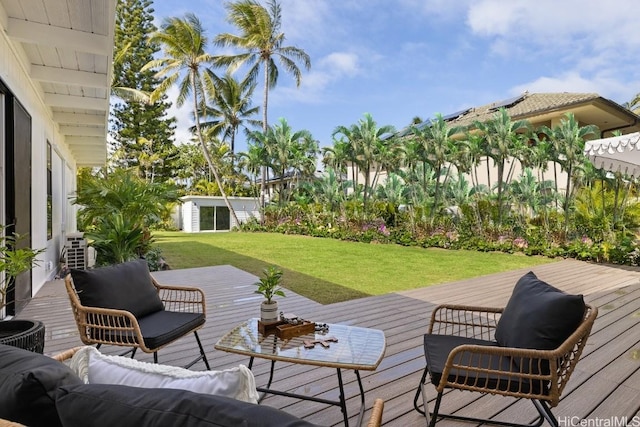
(210,213)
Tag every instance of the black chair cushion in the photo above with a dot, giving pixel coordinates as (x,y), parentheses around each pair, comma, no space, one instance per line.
(162,327)
(125,286)
(29,386)
(438,347)
(538,316)
(101,405)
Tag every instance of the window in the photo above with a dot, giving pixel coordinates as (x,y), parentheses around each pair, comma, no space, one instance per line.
(49,193)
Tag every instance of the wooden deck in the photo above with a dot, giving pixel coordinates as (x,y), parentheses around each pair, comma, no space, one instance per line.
(605,385)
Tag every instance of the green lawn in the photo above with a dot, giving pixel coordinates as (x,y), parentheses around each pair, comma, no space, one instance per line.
(328,270)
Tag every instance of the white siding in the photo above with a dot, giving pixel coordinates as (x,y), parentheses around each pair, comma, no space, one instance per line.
(43,128)
(245,207)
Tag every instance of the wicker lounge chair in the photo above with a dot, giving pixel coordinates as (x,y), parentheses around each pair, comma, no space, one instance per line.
(124,305)
(462,353)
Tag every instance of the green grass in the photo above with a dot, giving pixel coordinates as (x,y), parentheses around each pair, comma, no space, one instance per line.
(328,270)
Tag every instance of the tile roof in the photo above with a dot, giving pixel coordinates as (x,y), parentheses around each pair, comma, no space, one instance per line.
(526,105)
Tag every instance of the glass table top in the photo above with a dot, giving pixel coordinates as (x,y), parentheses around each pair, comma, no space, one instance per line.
(357,348)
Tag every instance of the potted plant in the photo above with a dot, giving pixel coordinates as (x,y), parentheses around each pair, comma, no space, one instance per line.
(269,287)
(14,261)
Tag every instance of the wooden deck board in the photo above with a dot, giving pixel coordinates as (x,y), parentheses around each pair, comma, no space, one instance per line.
(605,385)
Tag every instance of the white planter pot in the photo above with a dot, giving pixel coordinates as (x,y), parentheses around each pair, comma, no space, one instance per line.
(269,312)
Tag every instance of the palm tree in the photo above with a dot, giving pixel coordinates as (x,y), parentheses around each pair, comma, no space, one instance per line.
(500,135)
(183,42)
(260,41)
(568,139)
(337,158)
(436,147)
(365,139)
(390,155)
(634,104)
(126,93)
(304,158)
(475,151)
(530,194)
(288,151)
(253,159)
(415,161)
(231,108)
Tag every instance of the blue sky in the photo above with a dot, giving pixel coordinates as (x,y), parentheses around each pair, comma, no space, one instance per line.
(398,59)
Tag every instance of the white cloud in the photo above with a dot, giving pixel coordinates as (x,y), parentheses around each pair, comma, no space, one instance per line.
(183,117)
(435,8)
(305,23)
(589,46)
(316,83)
(569,82)
(573,81)
(602,25)
(340,64)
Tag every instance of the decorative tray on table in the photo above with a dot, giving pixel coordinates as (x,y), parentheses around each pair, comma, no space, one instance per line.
(285,330)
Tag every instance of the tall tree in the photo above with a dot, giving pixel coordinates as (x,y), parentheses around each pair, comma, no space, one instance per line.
(140,130)
(261,43)
(184,42)
(287,152)
(253,160)
(634,104)
(367,141)
(192,165)
(329,191)
(568,139)
(337,158)
(231,109)
(501,134)
(437,147)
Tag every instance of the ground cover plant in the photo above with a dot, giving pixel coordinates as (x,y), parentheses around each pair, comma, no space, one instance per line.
(330,270)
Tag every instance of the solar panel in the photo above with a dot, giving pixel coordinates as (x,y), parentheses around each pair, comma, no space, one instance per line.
(409,129)
(507,102)
(424,124)
(455,115)
(404,132)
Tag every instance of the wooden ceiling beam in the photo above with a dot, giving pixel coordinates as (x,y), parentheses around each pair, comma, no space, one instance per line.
(63,38)
(68,77)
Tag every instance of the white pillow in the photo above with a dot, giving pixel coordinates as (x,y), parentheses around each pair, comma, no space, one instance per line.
(94,367)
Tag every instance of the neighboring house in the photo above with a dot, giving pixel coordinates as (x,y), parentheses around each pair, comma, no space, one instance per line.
(546,109)
(289,181)
(550,108)
(210,213)
(55,74)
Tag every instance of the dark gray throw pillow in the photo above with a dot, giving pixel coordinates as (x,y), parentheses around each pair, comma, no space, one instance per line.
(125,286)
(538,316)
(106,405)
(29,385)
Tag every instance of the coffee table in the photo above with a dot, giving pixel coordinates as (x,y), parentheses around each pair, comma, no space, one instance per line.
(357,349)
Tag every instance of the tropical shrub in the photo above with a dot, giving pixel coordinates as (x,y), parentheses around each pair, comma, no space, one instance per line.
(117,210)
(117,239)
